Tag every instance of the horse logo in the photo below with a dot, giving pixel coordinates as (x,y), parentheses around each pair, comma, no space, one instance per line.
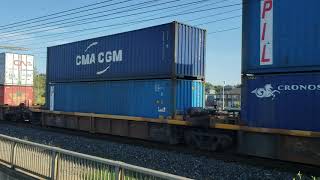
(265,92)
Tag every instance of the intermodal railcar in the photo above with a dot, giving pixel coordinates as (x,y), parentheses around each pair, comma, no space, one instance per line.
(151,62)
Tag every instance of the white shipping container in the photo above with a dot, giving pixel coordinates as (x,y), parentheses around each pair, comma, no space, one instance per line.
(16,69)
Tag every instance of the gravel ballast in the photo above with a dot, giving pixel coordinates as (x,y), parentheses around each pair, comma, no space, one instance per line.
(183,164)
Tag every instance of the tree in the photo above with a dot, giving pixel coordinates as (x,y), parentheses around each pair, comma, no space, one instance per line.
(208,87)
(39,86)
(218,89)
(237,86)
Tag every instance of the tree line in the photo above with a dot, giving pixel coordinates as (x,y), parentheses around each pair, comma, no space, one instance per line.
(218,88)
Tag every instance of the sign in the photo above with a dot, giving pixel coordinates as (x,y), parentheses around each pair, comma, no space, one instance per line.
(266,33)
(268,91)
(17,70)
(104,57)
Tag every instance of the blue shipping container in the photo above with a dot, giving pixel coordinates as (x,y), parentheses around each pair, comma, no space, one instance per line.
(290,101)
(164,51)
(286,32)
(142,98)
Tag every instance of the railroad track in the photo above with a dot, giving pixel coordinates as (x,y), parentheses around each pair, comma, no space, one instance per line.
(228,156)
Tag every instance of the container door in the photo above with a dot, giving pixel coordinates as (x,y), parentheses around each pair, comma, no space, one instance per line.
(51,98)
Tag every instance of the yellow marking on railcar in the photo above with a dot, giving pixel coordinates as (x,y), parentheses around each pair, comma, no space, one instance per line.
(299,133)
(36,110)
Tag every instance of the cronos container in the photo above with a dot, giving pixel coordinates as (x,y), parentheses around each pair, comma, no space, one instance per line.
(163,51)
(14,95)
(280,36)
(16,69)
(282,101)
(141,98)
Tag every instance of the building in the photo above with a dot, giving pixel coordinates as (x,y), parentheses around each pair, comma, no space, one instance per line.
(232,97)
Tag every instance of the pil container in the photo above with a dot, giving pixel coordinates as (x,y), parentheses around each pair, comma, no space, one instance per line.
(172,50)
(154,98)
(280,36)
(285,101)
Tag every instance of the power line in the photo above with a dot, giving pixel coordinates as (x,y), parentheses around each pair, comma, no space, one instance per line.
(209,34)
(151,19)
(49,15)
(107,19)
(193,19)
(225,12)
(223,30)
(218,20)
(68,37)
(232,17)
(72,18)
(188,21)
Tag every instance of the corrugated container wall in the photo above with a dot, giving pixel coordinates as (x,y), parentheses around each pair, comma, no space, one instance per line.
(280,36)
(164,51)
(142,98)
(14,95)
(288,101)
(16,69)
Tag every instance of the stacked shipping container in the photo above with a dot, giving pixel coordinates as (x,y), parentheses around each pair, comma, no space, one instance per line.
(281,61)
(16,79)
(152,72)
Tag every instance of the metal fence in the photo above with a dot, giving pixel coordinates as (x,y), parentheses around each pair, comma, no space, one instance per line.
(58,164)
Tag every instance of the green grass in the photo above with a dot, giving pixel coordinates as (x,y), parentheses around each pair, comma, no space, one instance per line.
(301,176)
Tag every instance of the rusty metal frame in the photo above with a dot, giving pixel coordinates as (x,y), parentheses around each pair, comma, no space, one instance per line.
(298,133)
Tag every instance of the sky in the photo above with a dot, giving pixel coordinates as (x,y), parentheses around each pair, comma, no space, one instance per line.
(218,17)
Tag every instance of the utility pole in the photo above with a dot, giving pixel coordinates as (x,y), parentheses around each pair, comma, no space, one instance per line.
(224,83)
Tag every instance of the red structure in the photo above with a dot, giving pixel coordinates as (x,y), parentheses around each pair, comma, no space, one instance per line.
(14,95)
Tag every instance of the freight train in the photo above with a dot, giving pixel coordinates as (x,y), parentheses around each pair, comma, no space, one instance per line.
(149,84)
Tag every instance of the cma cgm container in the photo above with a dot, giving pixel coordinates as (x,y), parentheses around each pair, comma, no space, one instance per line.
(16,69)
(142,98)
(14,95)
(163,51)
(280,36)
(289,101)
